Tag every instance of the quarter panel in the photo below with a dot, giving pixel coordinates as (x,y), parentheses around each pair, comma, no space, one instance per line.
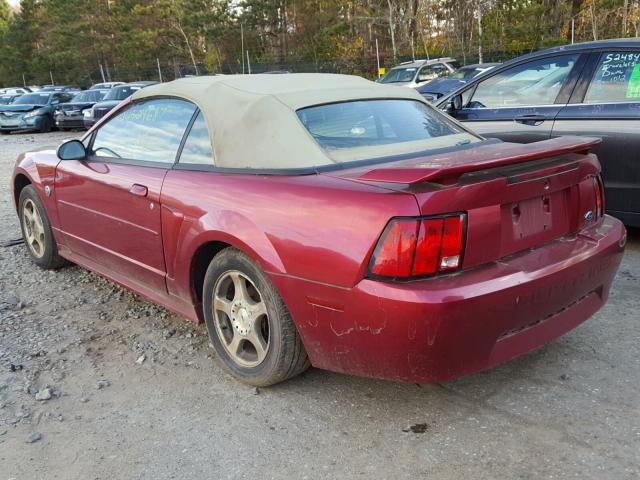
(314,227)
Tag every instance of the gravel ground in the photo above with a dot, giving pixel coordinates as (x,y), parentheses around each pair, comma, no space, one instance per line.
(96,383)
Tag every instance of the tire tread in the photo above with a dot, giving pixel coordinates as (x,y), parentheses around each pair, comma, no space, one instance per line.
(292,359)
(51,260)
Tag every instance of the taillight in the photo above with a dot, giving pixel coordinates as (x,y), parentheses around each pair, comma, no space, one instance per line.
(417,247)
(451,251)
(395,253)
(428,247)
(599,189)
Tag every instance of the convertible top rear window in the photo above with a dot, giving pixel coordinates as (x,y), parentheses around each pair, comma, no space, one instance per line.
(357,130)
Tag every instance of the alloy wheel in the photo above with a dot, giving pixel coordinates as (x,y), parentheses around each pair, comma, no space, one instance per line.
(33,228)
(241,319)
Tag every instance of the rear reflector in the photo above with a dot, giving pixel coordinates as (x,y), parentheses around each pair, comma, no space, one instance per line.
(418,247)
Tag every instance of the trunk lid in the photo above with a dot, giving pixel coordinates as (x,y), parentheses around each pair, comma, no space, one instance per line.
(515,196)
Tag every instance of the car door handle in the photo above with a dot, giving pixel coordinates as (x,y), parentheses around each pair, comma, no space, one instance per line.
(530,119)
(139,190)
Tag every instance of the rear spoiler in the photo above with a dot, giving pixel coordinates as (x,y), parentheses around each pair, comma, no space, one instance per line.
(474,159)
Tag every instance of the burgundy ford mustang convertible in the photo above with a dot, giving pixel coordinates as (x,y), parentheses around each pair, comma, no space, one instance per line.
(328,220)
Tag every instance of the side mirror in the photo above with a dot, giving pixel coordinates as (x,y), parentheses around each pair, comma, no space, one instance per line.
(72,150)
(455,104)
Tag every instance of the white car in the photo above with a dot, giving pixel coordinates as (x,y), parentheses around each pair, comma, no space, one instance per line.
(414,73)
(15,90)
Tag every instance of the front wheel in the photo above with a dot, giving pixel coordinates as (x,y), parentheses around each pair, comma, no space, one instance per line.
(249,325)
(47,125)
(36,230)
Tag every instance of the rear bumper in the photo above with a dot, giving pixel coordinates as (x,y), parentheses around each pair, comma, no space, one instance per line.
(437,329)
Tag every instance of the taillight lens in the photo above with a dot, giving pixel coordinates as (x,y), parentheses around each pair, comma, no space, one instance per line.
(394,254)
(428,247)
(599,189)
(416,247)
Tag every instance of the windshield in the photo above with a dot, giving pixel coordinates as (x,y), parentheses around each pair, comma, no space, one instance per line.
(90,96)
(365,129)
(396,75)
(33,99)
(120,93)
(6,100)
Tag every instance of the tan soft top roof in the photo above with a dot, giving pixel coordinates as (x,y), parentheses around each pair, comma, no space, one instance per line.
(252,118)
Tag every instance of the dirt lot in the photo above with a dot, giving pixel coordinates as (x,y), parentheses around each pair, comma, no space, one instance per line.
(134,394)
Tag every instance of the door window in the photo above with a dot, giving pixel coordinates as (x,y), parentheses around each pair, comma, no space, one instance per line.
(432,71)
(534,83)
(197,148)
(149,131)
(617,79)
(57,98)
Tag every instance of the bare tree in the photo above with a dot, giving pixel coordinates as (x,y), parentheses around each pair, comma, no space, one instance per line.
(392,28)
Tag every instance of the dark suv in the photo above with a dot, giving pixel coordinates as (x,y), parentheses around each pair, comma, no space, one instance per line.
(590,89)
(110,100)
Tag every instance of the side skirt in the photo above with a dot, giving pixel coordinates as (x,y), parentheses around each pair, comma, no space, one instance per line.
(175,304)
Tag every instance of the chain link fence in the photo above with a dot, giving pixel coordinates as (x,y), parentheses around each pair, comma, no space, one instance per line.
(163,70)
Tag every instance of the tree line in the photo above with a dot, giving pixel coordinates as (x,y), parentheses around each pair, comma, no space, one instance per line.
(84,41)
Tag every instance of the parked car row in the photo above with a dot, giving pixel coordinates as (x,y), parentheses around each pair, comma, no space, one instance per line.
(63,106)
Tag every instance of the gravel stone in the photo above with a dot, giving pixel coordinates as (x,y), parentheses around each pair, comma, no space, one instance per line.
(44,394)
(102,384)
(33,437)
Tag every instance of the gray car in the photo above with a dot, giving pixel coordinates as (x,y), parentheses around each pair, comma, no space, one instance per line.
(415,73)
(590,89)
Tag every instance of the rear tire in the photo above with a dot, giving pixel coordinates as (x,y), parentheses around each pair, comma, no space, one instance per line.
(36,230)
(249,325)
